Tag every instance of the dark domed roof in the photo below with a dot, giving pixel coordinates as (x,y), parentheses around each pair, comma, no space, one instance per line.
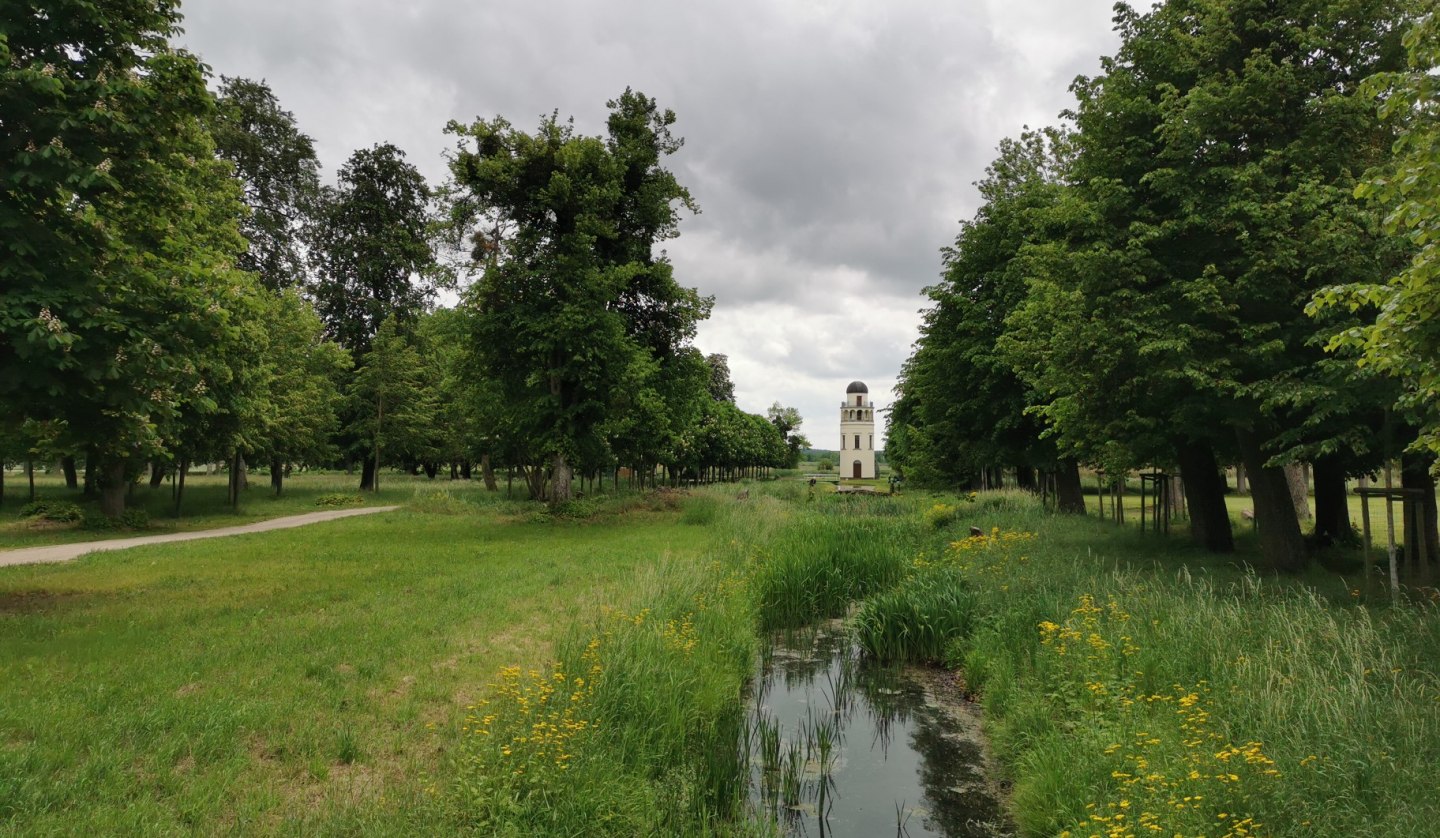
(857,387)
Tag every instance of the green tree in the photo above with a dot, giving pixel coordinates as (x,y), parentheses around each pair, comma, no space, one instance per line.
(721,388)
(391,396)
(787,421)
(1403,339)
(371,247)
(962,409)
(307,374)
(1215,161)
(119,227)
(575,304)
(280,174)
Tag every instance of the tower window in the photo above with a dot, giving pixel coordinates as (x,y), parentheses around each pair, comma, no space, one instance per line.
(872,442)
(857,442)
(842,442)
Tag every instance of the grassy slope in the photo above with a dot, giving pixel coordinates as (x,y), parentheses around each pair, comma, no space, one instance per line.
(1134,682)
(304,681)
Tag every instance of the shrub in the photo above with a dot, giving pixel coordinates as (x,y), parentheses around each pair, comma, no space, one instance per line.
(941,515)
(58,512)
(134,519)
(339,499)
(97,521)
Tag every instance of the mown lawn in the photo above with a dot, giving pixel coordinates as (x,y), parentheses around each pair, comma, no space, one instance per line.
(304,681)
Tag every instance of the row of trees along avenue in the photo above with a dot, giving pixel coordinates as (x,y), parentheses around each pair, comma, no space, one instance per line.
(1227,255)
(179,286)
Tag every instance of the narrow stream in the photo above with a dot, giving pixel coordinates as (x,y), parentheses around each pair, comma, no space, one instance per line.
(843,748)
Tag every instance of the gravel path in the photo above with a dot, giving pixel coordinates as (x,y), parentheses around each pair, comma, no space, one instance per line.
(66,552)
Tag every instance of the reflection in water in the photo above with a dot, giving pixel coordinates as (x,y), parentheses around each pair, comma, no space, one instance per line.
(843,747)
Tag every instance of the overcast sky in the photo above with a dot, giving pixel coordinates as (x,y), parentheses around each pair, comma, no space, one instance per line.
(832,144)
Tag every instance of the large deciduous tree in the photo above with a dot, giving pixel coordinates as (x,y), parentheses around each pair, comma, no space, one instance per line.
(962,409)
(280,174)
(371,247)
(1403,339)
(119,228)
(373,261)
(575,303)
(787,420)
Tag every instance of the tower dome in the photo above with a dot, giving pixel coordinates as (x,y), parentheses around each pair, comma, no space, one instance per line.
(856,387)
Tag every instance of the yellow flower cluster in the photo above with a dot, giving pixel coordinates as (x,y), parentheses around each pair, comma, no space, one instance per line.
(533,719)
(1171,773)
(991,554)
(680,636)
(996,538)
(941,515)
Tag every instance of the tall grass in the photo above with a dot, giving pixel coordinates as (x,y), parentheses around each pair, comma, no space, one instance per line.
(918,620)
(636,729)
(828,556)
(1134,685)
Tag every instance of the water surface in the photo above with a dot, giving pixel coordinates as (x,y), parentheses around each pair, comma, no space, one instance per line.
(843,748)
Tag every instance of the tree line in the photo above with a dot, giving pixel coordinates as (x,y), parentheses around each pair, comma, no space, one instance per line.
(179,286)
(1227,254)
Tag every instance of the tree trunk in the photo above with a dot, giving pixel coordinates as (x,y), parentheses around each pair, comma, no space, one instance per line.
(181,466)
(277,475)
(465,469)
(1025,478)
(1069,496)
(454,470)
(237,478)
(157,474)
(30,476)
(2,482)
(534,481)
(1415,474)
(431,469)
(67,465)
(1240,483)
(1204,486)
(92,460)
(560,476)
(1332,505)
(1275,517)
(1299,490)
(367,475)
(488,473)
(113,484)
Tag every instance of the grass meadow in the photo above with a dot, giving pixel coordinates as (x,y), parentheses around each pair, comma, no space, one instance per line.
(310,681)
(474,665)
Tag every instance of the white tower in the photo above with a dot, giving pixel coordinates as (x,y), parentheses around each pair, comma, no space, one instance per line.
(857,432)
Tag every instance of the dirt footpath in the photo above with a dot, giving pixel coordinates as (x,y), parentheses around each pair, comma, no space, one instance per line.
(66,552)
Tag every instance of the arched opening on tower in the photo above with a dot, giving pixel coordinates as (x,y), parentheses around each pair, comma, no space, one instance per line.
(856,468)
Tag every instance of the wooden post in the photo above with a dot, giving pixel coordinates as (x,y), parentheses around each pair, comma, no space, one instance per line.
(1365,547)
(1390,534)
(1142,503)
